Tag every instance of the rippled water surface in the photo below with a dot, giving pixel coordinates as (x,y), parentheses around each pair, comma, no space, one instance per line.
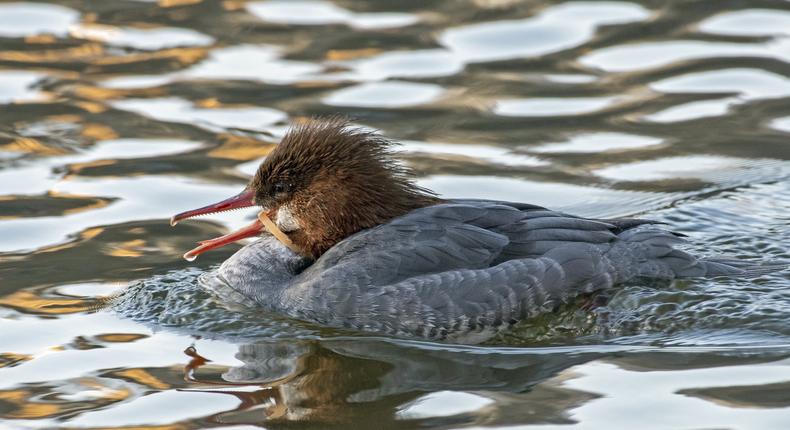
(116,114)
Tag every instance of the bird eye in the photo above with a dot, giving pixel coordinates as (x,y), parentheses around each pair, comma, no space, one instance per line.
(279,187)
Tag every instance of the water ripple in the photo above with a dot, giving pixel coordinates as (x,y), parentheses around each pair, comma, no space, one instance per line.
(555,29)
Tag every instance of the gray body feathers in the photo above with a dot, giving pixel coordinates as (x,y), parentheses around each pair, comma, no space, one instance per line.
(461,270)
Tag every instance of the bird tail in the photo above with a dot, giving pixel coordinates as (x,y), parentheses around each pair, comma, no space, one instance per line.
(734,268)
(654,250)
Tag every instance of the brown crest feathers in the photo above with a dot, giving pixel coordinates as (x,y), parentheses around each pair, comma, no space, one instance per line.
(339,179)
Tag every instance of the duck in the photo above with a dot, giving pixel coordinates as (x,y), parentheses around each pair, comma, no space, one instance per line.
(347,239)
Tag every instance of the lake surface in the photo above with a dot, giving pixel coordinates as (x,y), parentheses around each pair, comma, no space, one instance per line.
(115,115)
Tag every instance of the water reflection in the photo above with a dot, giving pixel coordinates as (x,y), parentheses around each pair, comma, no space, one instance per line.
(324,12)
(676,391)
(694,110)
(408,64)
(646,55)
(782,124)
(556,195)
(576,78)
(473,153)
(709,168)
(212,117)
(749,22)
(551,30)
(17,86)
(371,383)
(234,63)
(28,19)
(749,83)
(599,142)
(141,38)
(138,148)
(552,106)
(390,94)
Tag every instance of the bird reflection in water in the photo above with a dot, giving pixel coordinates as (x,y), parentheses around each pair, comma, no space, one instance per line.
(337,383)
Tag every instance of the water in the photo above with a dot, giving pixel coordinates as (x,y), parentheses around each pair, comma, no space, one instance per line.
(116,115)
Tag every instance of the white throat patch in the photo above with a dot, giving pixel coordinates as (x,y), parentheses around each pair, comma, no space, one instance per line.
(285,220)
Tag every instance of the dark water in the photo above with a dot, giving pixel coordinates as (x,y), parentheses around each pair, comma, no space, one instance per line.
(116,114)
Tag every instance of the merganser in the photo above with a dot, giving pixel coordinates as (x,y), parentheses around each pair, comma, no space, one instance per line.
(363,247)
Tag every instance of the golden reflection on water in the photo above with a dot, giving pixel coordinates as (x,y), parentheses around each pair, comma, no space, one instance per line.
(351,54)
(131,248)
(21,403)
(143,377)
(90,107)
(24,409)
(83,236)
(85,52)
(98,131)
(29,145)
(31,303)
(9,359)
(239,148)
(98,93)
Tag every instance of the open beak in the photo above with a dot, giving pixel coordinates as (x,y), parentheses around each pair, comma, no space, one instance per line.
(241,200)
(251,230)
